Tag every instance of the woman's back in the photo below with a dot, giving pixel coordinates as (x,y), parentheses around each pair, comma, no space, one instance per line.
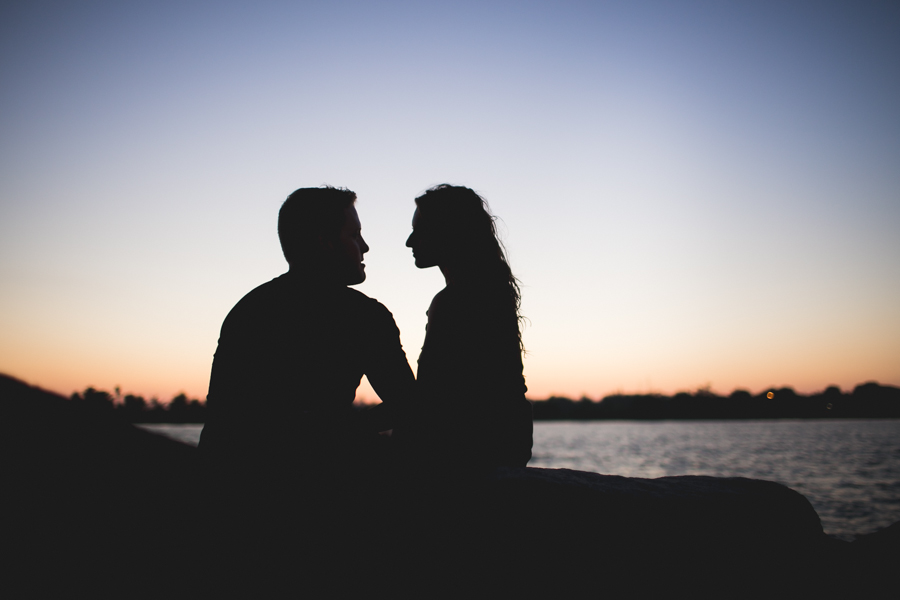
(470,382)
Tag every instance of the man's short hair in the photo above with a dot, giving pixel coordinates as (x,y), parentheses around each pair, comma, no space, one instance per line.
(308,215)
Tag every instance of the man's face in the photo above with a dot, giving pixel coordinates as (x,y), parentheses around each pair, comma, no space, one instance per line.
(349,250)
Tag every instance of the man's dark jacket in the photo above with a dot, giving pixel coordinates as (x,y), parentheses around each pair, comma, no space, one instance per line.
(284,376)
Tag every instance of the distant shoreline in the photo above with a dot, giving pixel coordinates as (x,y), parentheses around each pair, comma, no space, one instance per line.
(866,401)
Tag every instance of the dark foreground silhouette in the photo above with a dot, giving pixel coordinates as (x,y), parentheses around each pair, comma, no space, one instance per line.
(95,508)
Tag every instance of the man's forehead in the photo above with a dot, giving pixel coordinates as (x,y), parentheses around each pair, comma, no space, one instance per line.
(351,218)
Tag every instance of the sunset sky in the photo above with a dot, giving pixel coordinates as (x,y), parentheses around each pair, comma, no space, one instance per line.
(692,193)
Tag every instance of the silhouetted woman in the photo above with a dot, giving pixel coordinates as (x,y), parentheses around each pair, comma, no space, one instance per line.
(473,411)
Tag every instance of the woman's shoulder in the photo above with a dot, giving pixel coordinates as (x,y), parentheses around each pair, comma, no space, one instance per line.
(453,302)
(441,299)
(469,307)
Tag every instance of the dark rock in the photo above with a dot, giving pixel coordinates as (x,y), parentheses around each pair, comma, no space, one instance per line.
(96,507)
(91,505)
(557,530)
(870,565)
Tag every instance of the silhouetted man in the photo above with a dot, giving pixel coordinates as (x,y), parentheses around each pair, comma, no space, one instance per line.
(292,352)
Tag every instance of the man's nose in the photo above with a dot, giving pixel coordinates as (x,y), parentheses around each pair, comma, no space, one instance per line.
(365,246)
(409,240)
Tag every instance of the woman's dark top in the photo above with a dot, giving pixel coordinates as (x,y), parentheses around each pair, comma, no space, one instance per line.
(471,391)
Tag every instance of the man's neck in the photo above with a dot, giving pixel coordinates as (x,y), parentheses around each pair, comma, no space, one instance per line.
(313,277)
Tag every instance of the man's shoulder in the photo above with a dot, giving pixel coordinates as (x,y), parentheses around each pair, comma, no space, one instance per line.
(357,297)
(366,305)
(263,294)
(261,302)
(287,293)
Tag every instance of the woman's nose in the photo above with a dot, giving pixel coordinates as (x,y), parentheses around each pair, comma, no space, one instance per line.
(409,240)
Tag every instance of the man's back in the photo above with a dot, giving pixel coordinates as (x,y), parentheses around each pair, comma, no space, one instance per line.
(285,373)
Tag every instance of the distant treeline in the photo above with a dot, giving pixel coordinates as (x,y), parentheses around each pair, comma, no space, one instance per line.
(869,400)
(135,409)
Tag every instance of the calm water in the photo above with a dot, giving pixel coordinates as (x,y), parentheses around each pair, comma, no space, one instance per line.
(848,469)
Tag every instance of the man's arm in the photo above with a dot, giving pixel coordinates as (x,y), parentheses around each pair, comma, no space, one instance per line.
(230,380)
(388,371)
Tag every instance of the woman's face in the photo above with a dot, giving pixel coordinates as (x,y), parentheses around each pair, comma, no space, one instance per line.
(424,241)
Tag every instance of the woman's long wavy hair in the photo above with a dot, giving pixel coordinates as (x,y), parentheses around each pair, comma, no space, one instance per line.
(463,220)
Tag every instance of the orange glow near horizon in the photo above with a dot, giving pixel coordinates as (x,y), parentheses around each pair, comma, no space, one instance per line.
(67,383)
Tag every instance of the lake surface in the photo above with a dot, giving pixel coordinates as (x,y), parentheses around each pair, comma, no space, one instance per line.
(848,469)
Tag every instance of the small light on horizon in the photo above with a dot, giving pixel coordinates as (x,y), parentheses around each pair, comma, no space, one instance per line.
(828,406)
(770,395)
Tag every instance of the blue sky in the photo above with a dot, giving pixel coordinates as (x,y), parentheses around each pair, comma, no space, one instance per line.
(692,193)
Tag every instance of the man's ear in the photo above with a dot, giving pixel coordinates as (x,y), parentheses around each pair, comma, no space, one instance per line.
(324,243)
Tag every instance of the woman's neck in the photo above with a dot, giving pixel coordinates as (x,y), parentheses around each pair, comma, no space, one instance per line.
(464,275)
(451,274)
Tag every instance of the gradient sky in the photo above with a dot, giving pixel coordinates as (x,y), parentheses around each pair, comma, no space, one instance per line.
(692,193)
